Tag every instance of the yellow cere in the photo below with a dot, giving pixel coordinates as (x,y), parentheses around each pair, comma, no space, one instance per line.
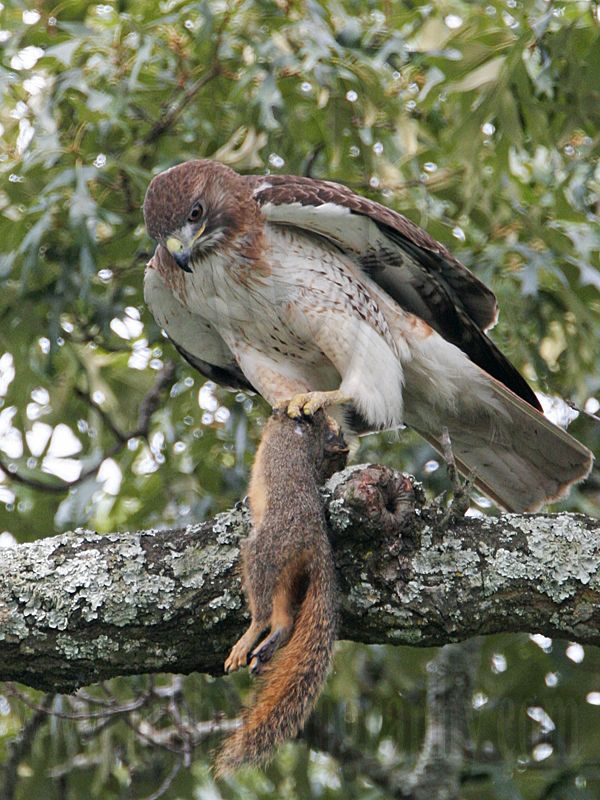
(174,245)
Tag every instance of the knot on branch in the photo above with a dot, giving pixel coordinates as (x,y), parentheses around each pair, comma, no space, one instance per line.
(383,500)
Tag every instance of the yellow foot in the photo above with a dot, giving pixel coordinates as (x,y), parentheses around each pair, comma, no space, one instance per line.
(309,403)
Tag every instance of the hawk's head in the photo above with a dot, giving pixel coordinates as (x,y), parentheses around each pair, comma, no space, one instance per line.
(195,207)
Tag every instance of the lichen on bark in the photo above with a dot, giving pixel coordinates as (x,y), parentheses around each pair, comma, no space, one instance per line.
(80,607)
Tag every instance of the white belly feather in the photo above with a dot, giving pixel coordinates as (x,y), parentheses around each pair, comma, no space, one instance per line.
(304,327)
(316,323)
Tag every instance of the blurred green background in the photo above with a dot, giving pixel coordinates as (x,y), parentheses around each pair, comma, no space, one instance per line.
(479,121)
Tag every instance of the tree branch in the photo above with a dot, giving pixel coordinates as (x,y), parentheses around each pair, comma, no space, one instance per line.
(79,607)
(449,688)
(170,117)
(21,746)
(148,406)
(439,767)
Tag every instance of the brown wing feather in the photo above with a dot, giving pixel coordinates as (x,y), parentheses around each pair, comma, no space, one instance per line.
(415,270)
(478,300)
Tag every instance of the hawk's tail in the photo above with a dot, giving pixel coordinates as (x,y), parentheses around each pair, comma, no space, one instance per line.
(517,456)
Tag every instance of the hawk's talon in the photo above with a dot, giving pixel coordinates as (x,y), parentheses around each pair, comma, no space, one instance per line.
(295,409)
(307,404)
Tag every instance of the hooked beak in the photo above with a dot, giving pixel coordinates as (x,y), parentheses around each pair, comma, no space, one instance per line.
(182,259)
(181,250)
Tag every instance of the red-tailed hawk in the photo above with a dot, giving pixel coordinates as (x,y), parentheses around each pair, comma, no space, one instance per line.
(289,286)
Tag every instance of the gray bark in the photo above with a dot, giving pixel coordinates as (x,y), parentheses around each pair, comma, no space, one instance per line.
(440,764)
(80,607)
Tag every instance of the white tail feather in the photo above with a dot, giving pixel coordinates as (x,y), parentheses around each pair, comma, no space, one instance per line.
(517,456)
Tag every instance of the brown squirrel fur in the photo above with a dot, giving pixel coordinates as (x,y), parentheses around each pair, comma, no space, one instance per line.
(289,581)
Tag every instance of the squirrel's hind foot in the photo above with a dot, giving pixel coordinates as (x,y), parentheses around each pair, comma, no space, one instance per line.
(265,651)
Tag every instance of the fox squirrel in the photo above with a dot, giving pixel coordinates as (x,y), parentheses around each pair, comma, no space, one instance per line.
(289,581)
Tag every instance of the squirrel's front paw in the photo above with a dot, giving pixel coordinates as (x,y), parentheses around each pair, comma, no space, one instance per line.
(236,659)
(240,652)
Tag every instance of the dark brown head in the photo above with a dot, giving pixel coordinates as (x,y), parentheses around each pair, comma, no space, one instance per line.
(195,207)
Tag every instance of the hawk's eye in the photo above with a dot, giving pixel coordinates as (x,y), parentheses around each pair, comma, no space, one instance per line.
(195,213)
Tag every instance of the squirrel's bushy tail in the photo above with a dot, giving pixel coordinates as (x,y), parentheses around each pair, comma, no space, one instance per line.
(291,682)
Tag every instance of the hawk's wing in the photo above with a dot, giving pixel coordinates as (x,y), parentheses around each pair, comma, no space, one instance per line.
(194,338)
(415,270)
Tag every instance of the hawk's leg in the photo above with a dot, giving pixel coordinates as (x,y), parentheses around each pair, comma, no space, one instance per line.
(309,403)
